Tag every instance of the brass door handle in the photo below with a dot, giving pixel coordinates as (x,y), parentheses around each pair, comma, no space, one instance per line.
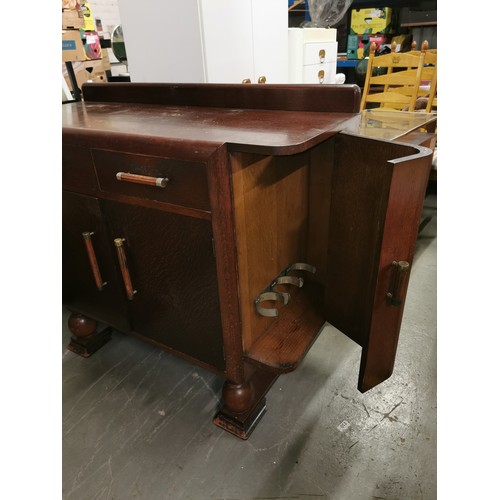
(247,80)
(87,238)
(262,79)
(143,179)
(321,76)
(122,260)
(399,281)
(322,55)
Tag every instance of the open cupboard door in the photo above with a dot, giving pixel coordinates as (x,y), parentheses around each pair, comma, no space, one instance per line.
(376,201)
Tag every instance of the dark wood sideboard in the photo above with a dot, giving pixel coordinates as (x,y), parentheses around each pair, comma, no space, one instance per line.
(227,223)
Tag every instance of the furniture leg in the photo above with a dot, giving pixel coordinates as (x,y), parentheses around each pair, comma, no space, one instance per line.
(85,340)
(243,405)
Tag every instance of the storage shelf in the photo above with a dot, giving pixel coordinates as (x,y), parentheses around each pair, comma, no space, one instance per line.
(282,347)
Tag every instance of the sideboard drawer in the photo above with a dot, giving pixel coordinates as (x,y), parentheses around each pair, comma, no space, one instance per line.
(153,178)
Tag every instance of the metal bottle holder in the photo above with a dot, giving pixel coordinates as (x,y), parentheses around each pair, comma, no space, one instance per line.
(269,294)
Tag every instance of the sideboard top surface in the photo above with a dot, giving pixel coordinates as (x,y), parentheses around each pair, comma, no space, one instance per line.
(251,130)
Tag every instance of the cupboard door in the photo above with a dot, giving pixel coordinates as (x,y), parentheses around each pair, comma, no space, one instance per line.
(172,270)
(90,283)
(270,40)
(376,202)
(227,40)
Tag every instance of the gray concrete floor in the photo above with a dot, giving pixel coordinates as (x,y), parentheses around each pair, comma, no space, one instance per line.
(137,420)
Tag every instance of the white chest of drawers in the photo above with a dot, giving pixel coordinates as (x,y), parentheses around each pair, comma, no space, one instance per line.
(312,55)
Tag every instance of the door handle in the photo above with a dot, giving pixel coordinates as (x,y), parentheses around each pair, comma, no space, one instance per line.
(122,259)
(399,281)
(87,238)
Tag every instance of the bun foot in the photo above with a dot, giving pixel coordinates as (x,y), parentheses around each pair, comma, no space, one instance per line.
(85,340)
(243,405)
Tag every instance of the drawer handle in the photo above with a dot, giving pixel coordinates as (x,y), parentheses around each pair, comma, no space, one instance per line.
(321,76)
(322,55)
(87,238)
(247,80)
(122,259)
(143,179)
(399,281)
(262,79)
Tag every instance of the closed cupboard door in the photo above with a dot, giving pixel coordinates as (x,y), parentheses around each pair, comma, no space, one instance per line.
(270,40)
(245,39)
(227,40)
(90,279)
(169,274)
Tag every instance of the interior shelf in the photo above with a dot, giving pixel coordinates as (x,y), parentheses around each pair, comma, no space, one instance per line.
(282,347)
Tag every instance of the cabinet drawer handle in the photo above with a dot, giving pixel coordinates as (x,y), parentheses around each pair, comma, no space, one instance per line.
(262,79)
(399,281)
(322,55)
(87,238)
(321,76)
(143,179)
(122,259)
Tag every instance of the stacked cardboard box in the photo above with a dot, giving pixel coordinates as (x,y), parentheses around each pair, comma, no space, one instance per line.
(80,43)
(369,25)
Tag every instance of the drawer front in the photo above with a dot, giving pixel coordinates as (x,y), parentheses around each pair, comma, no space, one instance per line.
(165,180)
(319,73)
(320,52)
(77,169)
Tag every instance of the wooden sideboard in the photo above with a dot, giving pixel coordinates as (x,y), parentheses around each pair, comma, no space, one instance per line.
(227,223)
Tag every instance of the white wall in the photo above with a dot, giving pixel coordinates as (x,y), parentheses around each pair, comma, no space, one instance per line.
(107,11)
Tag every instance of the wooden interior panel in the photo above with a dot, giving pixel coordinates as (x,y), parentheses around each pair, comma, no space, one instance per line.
(271,213)
(320,188)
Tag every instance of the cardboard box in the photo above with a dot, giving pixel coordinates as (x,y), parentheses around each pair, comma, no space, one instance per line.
(72,19)
(72,46)
(86,71)
(374,20)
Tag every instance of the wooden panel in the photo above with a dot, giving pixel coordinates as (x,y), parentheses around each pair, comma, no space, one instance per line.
(271,207)
(327,98)
(77,169)
(320,192)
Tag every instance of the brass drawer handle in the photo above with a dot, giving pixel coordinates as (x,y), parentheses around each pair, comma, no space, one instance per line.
(247,80)
(122,259)
(143,179)
(262,79)
(399,282)
(321,76)
(87,238)
(322,55)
